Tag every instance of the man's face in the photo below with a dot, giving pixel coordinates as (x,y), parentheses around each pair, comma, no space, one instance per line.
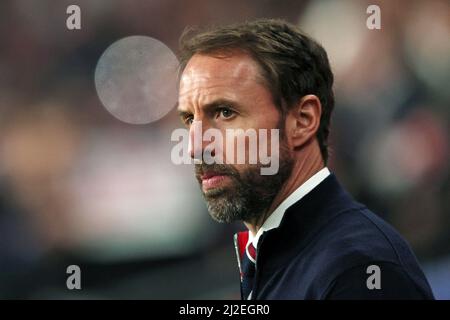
(228,93)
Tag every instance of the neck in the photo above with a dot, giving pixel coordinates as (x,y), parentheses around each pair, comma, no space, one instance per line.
(307,164)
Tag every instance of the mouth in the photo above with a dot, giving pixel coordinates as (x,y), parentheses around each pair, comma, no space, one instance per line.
(212,180)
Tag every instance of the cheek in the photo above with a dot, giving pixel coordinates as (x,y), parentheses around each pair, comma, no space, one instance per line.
(248,146)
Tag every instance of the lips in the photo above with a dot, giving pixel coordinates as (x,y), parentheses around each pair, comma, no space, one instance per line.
(210,174)
(212,180)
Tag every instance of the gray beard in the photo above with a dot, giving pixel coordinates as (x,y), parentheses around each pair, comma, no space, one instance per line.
(251,194)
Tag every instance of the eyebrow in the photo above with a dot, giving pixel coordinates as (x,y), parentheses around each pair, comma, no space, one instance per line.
(211,106)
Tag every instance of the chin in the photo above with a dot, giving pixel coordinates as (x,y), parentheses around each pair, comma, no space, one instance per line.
(214,193)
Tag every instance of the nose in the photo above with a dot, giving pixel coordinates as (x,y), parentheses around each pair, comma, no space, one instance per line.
(196,142)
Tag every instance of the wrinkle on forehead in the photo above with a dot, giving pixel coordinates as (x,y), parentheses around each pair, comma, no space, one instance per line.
(208,73)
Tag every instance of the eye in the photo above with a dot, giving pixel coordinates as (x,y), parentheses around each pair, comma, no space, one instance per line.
(225,112)
(188,120)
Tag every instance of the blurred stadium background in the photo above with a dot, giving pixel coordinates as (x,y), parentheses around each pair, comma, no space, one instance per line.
(77,186)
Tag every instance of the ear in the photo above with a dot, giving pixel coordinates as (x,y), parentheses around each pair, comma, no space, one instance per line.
(303,120)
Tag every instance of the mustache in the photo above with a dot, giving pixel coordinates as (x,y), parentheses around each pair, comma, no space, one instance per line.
(221,169)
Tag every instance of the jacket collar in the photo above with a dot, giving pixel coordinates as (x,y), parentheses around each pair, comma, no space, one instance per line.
(274,220)
(300,222)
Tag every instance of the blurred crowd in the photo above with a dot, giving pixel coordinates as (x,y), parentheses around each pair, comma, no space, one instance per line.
(77,186)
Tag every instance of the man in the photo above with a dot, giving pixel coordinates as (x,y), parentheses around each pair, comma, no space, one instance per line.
(307,238)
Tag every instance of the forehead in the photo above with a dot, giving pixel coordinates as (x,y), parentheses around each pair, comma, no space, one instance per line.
(215,74)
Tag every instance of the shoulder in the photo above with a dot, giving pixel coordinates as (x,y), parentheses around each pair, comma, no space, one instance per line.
(358,234)
(377,280)
(353,241)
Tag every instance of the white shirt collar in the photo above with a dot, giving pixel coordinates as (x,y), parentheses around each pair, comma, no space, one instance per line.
(274,220)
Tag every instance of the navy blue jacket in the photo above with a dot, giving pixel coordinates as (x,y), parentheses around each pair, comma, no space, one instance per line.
(323,248)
